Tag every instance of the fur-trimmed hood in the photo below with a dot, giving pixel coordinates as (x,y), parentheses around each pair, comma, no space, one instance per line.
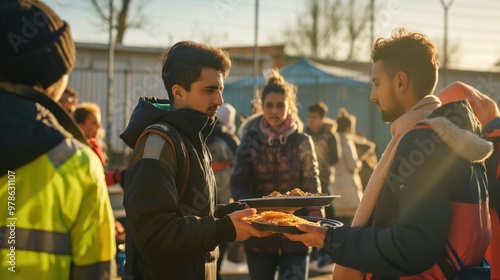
(457,126)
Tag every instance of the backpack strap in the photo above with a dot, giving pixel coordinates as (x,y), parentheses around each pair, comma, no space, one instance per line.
(172,136)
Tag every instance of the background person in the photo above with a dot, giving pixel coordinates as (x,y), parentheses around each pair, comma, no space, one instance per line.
(88,117)
(275,155)
(327,147)
(369,158)
(69,100)
(63,217)
(347,183)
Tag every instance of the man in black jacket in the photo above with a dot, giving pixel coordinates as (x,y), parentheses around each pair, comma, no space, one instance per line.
(173,227)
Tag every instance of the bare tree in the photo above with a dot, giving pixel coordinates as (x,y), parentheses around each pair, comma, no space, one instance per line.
(123,20)
(453,57)
(206,36)
(327,26)
(314,30)
(356,23)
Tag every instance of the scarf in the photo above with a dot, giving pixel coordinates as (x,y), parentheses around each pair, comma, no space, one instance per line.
(288,127)
(419,111)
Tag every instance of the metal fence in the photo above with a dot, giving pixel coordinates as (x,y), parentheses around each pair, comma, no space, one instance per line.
(130,84)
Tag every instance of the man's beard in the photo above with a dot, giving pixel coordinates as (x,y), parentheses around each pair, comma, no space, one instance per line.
(393,112)
(392,115)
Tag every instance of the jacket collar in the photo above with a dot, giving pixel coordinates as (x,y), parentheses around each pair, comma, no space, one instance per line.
(195,125)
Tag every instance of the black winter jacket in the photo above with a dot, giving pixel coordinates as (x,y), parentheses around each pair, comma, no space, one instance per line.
(169,235)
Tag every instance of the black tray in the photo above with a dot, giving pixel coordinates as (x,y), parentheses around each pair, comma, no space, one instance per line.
(290,201)
(294,229)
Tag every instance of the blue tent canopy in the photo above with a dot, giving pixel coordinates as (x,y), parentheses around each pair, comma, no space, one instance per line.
(306,72)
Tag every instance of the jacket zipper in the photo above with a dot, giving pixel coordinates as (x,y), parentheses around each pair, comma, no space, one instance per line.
(275,164)
(276,182)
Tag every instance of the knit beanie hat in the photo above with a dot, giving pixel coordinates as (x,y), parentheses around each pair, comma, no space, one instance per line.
(226,115)
(36,47)
(484,107)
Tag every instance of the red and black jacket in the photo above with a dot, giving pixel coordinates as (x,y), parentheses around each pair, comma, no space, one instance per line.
(433,205)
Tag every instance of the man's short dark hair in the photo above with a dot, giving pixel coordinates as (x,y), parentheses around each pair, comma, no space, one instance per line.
(412,53)
(319,108)
(183,62)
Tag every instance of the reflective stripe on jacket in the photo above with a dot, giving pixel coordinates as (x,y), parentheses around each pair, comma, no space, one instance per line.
(60,225)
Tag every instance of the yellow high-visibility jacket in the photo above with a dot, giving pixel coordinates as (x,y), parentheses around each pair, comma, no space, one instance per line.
(56,220)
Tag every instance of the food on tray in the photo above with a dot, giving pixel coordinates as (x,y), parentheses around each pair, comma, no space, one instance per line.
(278,218)
(286,210)
(294,192)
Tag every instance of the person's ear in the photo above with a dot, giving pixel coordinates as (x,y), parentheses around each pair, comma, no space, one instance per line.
(401,81)
(178,92)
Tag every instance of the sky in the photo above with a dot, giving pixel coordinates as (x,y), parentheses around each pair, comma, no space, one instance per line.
(474,26)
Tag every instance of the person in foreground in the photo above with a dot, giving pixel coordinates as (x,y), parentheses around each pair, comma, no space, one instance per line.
(170,197)
(56,218)
(424,213)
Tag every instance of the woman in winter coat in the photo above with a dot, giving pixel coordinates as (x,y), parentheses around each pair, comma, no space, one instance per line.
(347,182)
(274,155)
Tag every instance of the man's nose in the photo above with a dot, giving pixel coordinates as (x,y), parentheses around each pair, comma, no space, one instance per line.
(373,95)
(219,100)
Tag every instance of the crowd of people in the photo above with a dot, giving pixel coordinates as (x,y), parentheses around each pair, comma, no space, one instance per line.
(429,209)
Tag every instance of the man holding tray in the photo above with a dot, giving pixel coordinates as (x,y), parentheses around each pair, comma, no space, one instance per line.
(173,224)
(424,214)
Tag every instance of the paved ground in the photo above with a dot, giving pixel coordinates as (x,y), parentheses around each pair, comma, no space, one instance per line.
(239,271)
(312,276)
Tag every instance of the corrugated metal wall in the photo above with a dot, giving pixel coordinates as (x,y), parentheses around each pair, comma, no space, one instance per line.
(92,85)
(129,85)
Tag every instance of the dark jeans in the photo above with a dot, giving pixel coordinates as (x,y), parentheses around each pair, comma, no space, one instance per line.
(291,266)
(222,250)
(329,210)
